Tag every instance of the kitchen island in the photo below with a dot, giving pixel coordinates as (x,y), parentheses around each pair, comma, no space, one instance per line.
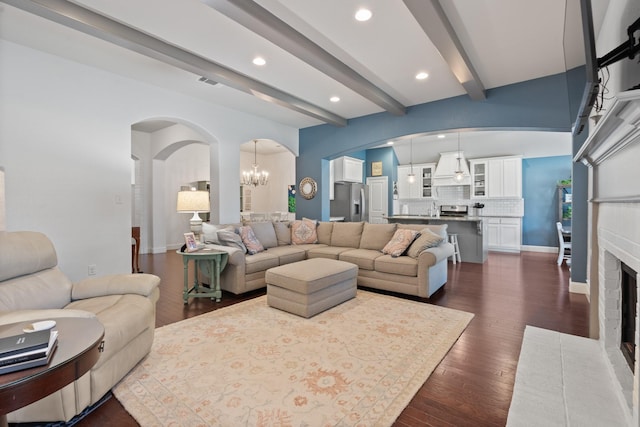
(471,231)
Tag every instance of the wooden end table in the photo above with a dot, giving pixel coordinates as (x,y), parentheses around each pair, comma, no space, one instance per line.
(217,261)
(79,347)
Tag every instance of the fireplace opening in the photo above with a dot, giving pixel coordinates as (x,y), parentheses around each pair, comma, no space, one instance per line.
(629,301)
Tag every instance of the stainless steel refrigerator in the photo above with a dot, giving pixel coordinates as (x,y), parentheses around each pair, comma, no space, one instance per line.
(351,201)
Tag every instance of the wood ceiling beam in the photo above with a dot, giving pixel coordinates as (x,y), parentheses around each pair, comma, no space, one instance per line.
(267,25)
(94,24)
(436,25)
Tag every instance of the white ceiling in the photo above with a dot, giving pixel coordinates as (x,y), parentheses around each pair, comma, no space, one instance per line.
(504,41)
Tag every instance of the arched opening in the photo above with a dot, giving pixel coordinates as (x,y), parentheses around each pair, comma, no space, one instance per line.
(271,199)
(168,156)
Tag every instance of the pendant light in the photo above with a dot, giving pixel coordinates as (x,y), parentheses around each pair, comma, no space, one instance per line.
(411,177)
(458,175)
(255,177)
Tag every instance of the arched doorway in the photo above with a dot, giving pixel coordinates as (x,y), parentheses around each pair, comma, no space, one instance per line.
(167,157)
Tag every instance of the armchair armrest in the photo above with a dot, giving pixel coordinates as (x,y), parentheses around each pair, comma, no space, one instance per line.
(116,284)
(236,256)
(45,314)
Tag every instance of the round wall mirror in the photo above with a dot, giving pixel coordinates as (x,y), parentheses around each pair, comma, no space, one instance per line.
(308,188)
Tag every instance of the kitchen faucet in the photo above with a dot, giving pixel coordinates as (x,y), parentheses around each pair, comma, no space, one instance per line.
(433,210)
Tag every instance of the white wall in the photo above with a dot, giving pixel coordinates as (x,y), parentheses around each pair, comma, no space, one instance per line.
(2,204)
(65,145)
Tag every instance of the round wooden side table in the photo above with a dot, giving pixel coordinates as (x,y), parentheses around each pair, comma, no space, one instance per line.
(79,346)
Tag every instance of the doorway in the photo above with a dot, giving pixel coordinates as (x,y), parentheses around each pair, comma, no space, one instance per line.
(378,199)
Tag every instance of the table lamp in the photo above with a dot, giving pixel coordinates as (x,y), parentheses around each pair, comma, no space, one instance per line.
(194,201)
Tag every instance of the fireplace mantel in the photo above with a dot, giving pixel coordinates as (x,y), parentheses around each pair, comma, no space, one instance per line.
(612,152)
(619,127)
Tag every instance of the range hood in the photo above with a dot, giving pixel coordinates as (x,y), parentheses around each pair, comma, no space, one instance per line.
(446,168)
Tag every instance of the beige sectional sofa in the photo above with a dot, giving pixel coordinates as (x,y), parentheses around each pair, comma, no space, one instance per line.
(355,242)
(33,288)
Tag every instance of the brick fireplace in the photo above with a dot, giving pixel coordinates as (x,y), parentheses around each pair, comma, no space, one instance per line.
(613,154)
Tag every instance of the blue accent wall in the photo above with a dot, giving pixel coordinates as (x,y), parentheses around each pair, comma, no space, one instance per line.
(540,104)
(544,104)
(540,178)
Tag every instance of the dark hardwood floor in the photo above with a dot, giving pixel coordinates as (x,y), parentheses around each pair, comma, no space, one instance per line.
(473,384)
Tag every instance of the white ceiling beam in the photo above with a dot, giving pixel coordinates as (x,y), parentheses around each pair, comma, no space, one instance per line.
(264,23)
(436,25)
(104,28)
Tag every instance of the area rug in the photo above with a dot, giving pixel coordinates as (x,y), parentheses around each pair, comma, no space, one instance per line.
(357,364)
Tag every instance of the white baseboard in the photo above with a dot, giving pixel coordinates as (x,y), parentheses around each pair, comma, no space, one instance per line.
(547,249)
(578,288)
(159,250)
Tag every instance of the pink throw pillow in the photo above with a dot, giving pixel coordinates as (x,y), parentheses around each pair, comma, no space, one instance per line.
(304,232)
(399,242)
(250,240)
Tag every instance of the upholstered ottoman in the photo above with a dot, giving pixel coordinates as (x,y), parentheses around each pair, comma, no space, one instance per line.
(309,287)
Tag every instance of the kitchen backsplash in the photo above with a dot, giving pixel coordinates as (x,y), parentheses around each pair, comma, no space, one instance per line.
(461,195)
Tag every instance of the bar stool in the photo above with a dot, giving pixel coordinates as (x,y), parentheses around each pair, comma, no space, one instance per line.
(453,239)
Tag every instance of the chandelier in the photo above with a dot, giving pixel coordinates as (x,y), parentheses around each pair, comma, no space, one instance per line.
(255,177)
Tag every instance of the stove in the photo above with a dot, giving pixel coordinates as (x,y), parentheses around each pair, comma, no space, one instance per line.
(454,210)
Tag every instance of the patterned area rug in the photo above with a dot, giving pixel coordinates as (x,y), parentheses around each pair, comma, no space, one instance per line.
(357,364)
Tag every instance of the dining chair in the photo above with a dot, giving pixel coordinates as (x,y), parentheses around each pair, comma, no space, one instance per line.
(258,217)
(564,251)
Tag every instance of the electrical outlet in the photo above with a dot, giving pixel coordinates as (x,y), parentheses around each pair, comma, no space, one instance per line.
(92,269)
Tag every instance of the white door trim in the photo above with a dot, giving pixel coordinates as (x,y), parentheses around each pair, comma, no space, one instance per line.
(378,208)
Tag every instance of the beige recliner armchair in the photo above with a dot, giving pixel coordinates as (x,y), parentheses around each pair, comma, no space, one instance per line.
(32,287)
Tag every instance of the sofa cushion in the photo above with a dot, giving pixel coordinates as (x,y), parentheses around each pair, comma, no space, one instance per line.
(400,241)
(376,236)
(232,239)
(324,232)
(260,262)
(346,234)
(330,252)
(48,288)
(403,266)
(304,231)
(25,252)
(250,240)
(283,232)
(288,254)
(363,258)
(265,232)
(427,239)
(210,231)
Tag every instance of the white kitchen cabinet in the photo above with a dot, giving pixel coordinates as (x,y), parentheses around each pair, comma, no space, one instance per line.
(498,177)
(424,176)
(504,234)
(407,190)
(423,185)
(478,178)
(347,169)
(505,177)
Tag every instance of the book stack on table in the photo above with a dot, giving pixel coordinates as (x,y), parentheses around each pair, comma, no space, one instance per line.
(27,350)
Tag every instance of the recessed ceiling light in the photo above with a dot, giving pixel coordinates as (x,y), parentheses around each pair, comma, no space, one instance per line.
(363,15)
(334,99)
(258,60)
(422,75)
(441,136)
(389,142)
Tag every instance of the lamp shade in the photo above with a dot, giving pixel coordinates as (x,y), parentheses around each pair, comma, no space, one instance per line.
(193,201)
